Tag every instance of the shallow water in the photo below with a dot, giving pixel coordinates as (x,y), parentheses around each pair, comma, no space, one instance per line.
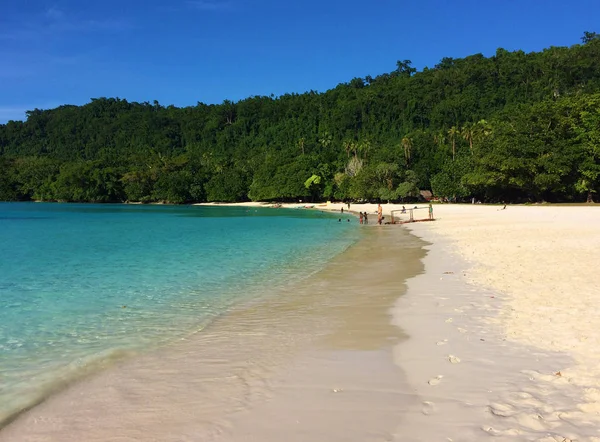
(83,284)
(269,369)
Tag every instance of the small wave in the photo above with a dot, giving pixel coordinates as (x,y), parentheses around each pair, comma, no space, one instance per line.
(54,381)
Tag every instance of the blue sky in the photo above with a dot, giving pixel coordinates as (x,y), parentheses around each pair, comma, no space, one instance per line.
(184,51)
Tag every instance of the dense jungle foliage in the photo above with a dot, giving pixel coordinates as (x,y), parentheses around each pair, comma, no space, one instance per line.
(511,127)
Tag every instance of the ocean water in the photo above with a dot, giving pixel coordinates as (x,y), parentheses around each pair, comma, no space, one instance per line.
(83,284)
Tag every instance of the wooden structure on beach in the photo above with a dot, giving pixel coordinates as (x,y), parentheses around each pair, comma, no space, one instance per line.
(413,215)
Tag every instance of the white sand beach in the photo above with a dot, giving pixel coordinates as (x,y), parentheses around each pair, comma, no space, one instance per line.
(505,325)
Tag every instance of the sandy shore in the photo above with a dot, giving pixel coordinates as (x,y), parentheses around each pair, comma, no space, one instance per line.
(505,325)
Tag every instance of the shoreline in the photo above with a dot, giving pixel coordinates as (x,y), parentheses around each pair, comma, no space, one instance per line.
(317,343)
(21,395)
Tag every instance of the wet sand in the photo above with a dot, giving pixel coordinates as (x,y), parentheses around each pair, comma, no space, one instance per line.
(313,361)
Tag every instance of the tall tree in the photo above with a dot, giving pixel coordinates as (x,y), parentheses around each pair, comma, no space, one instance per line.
(453,132)
(407,145)
(300,144)
(468,132)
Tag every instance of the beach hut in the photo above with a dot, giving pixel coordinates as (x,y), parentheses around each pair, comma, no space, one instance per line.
(426,195)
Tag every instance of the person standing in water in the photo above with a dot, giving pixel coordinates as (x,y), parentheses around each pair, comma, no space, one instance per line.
(366,218)
(379,214)
(360,217)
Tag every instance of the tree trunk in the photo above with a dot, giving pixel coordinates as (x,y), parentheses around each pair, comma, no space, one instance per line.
(590,198)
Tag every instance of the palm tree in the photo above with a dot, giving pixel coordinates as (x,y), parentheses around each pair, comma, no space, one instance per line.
(481,130)
(439,138)
(453,132)
(325,139)
(354,147)
(365,147)
(347,144)
(301,144)
(407,145)
(485,128)
(468,132)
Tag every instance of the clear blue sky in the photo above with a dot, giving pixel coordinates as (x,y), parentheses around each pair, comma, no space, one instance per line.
(184,51)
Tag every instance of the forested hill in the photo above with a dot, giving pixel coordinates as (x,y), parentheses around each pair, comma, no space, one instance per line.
(513,127)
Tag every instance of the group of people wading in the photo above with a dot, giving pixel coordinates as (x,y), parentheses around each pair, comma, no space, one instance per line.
(363,218)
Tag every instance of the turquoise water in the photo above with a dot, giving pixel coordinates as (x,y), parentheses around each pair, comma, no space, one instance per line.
(82,283)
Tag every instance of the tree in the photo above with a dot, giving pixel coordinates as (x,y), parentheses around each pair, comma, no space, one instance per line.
(313,184)
(348,146)
(468,132)
(8,185)
(453,132)
(407,145)
(589,36)
(300,144)
(448,183)
(387,176)
(445,63)
(230,185)
(354,166)
(408,188)
(482,130)
(587,130)
(325,139)
(357,83)
(439,139)
(364,147)
(404,68)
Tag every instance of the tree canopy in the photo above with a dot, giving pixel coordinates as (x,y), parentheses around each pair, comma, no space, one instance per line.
(515,126)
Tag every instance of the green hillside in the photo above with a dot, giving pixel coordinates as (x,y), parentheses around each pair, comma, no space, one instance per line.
(515,126)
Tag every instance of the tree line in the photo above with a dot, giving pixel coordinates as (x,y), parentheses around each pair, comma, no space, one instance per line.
(515,126)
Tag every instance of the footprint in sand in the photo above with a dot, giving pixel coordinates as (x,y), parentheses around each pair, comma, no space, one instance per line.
(509,432)
(428,408)
(502,410)
(436,380)
(449,320)
(444,342)
(453,359)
